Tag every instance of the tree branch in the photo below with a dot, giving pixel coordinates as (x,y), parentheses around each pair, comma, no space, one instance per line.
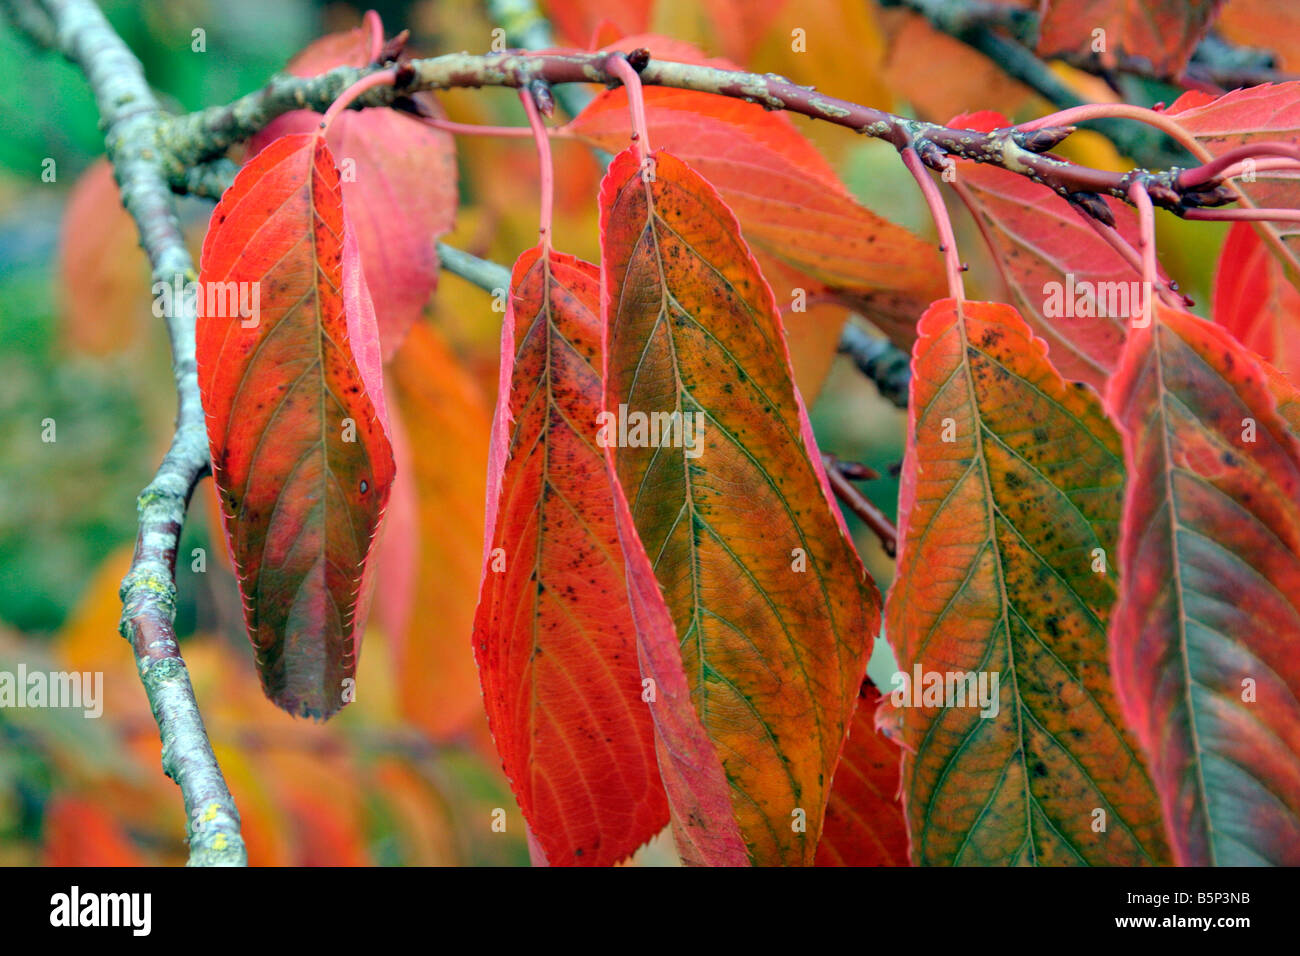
(879,360)
(132,118)
(198,137)
(489,276)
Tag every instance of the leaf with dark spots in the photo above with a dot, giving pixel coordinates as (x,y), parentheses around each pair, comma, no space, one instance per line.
(768,610)
(1008,514)
(554,634)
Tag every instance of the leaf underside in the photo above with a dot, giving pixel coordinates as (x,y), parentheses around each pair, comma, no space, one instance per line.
(300,454)
(1206,636)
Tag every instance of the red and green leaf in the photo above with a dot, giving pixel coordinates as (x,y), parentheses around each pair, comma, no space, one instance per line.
(554,635)
(771,608)
(1206,635)
(1010,498)
(296,418)
(399,182)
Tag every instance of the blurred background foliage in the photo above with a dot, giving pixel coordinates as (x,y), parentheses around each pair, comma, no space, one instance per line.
(408,774)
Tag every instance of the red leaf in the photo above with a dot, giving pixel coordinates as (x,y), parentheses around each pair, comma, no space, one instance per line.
(554,634)
(1205,637)
(805,228)
(399,180)
(1267,113)
(1040,243)
(1162,33)
(296,418)
(1254,300)
(82,832)
(577,20)
(864,821)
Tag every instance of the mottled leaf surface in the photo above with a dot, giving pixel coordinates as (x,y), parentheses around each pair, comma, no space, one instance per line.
(805,228)
(1011,491)
(771,606)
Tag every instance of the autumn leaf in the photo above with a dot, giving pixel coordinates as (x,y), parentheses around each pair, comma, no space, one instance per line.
(577,21)
(810,236)
(772,611)
(296,418)
(399,181)
(1075,291)
(967,80)
(1265,25)
(864,823)
(429,557)
(1267,113)
(81,832)
(104,272)
(1254,300)
(1008,512)
(1205,636)
(554,635)
(1160,34)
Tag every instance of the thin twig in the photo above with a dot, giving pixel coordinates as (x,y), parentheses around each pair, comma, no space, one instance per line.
(861,506)
(879,360)
(489,276)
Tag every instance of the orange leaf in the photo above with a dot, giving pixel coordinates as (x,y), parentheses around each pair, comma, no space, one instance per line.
(80,832)
(769,602)
(1266,25)
(104,274)
(443,420)
(806,229)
